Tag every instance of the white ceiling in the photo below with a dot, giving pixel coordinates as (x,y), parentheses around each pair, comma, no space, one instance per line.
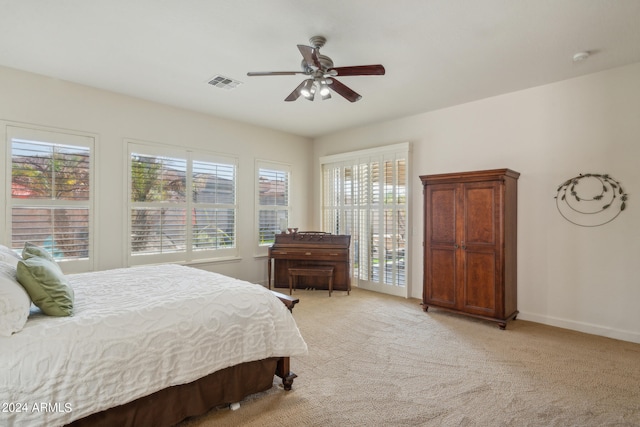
(437,53)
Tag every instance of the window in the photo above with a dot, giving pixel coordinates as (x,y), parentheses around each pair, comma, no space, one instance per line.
(274,209)
(51,197)
(182,204)
(364,194)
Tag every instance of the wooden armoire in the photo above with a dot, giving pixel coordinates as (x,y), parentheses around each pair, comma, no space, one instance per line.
(470,242)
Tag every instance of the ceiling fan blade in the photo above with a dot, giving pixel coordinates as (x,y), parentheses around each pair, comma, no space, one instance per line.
(358,70)
(343,90)
(274,73)
(310,56)
(296,92)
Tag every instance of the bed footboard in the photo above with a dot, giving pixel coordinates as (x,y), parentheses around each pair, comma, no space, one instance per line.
(283,368)
(283,371)
(287,300)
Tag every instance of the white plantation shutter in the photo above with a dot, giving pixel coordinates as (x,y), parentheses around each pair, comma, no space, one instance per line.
(51,201)
(214,201)
(158,204)
(166,223)
(364,194)
(273,204)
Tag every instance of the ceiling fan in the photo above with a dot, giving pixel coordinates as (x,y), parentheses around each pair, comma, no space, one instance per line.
(322,74)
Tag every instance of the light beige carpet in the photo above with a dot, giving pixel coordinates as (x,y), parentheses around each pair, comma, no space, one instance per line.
(376,360)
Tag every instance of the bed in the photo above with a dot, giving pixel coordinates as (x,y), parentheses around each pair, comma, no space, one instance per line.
(146,345)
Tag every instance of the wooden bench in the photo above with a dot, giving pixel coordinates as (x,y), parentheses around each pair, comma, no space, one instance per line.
(318,271)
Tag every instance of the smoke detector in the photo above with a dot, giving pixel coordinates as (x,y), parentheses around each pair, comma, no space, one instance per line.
(580,56)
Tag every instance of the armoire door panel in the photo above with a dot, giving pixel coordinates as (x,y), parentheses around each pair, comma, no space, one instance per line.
(442,215)
(441,270)
(480,282)
(480,214)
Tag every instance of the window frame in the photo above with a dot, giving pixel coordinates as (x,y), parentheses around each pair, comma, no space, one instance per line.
(263,248)
(52,136)
(188,255)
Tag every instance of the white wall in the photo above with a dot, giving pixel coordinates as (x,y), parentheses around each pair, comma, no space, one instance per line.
(586,279)
(34,99)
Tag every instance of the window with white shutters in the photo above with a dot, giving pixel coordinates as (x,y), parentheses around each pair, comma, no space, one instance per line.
(182,205)
(364,194)
(50,201)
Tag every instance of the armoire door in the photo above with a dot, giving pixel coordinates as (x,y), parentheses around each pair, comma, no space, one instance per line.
(480,248)
(441,258)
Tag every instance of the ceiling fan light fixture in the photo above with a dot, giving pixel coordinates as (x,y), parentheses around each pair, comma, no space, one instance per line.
(308,90)
(324,89)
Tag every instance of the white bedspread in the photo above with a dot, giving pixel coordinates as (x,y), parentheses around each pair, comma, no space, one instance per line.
(135,331)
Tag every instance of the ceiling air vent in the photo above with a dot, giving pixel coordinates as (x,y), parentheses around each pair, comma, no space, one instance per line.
(224,82)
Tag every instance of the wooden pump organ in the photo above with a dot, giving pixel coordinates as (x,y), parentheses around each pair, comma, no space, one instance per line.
(310,252)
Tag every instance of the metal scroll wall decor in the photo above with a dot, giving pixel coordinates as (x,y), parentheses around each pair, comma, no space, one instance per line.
(591,199)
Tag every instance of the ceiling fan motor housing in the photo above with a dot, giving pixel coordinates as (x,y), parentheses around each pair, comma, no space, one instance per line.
(324,60)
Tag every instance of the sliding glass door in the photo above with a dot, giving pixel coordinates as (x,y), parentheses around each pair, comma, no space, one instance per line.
(364,194)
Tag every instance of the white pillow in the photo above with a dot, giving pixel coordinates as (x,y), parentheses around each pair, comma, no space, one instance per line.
(14,301)
(9,256)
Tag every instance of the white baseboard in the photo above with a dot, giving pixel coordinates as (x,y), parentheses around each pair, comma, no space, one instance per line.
(582,327)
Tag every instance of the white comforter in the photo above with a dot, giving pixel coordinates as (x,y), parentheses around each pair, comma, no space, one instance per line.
(135,331)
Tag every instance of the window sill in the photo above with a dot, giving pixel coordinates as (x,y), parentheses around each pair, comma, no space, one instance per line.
(213,260)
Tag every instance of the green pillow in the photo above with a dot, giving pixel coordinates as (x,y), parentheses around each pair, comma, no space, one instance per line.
(30,250)
(46,285)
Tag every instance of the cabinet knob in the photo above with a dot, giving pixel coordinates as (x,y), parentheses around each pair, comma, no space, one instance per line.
(455,246)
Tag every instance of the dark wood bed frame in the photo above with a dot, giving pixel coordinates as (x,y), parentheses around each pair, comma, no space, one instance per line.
(174,404)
